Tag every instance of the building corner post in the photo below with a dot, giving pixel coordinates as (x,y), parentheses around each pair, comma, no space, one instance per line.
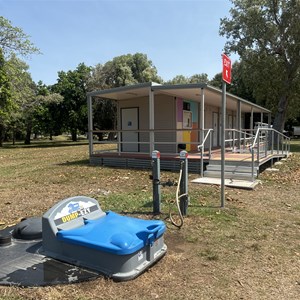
(90,124)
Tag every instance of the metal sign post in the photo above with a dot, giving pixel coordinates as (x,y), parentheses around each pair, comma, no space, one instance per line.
(223,144)
(226,76)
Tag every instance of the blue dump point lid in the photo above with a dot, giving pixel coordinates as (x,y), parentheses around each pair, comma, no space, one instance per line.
(114,233)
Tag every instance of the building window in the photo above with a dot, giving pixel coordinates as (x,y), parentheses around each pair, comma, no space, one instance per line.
(187,119)
(186,106)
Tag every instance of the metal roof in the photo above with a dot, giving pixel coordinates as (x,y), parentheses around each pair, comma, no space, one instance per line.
(213,96)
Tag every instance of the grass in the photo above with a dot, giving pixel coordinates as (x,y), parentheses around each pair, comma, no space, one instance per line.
(248,250)
(295,145)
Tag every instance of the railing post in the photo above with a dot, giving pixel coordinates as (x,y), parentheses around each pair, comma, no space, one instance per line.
(272,143)
(119,143)
(209,144)
(258,148)
(277,143)
(233,142)
(201,170)
(266,142)
(252,167)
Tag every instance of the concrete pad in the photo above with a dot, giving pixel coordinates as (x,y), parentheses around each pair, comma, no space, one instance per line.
(241,184)
(272,170)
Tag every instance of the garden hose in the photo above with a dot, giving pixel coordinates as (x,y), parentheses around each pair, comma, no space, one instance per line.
(180,223)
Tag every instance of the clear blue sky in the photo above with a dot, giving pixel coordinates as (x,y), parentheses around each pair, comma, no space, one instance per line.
(178,36)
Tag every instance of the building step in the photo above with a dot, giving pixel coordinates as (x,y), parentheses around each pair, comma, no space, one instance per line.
(231,168)
(229,175)
(232,163)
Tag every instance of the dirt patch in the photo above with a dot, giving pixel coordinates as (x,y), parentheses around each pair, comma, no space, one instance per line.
(249,250)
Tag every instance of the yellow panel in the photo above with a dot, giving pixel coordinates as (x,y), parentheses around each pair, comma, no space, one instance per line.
(187,138)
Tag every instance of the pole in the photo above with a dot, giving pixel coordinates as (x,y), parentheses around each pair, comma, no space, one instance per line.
(184,199)
(223,145)
(156,181)
(90,124)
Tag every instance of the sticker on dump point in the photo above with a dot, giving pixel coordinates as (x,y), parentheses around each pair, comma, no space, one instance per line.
(74,210)
(140,255)
(155,154)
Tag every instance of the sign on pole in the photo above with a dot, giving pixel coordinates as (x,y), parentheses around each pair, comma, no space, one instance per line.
(226,74)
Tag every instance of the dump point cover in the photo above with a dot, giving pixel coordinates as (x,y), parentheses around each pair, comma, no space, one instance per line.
(120,235)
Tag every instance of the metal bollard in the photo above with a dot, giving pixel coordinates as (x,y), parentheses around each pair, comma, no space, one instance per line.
(184,199)
(156,181)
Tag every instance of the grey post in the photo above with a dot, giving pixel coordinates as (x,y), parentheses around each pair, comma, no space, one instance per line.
(184,199)
(156,181)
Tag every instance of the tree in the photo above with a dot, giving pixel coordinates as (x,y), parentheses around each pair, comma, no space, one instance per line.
(13,74)
(128,69)
(72,85)
(121,70)
(239,85)
(46,115)
(5,98)
(266,35)
(23,95)
(13,40)
(196,78)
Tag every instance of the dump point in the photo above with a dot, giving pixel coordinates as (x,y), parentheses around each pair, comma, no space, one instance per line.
(75,241)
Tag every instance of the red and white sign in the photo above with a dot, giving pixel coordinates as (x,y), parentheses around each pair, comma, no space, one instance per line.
(226,74)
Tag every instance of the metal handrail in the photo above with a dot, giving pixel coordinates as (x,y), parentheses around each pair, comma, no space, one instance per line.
(201,148)
(118,133)
(243,139)
(256,143)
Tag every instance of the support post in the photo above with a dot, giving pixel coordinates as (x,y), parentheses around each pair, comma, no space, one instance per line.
(239,122)
(202,116)
(184,199)
(151,121)
(156,181)
(251,121)
(90,124)
(223,144)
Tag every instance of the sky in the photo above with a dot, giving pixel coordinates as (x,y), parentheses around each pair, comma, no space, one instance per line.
(180,37)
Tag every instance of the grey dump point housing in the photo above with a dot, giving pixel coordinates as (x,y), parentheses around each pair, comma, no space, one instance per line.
(76,241)
(77,231)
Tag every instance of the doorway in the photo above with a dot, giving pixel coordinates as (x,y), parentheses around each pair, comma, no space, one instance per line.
(130,121)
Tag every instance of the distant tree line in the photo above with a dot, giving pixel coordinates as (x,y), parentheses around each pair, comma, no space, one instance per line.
(265,34)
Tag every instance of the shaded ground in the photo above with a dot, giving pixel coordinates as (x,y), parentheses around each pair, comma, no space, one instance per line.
(249,250)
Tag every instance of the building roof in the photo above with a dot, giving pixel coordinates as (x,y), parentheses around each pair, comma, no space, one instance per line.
(193,91)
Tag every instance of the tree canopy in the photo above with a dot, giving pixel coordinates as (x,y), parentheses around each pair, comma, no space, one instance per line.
(5,97)
(121,70)
(196,78)
(72,85)
(266,35)
(14,41)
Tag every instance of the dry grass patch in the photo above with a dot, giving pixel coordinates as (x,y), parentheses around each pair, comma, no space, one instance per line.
(249,250)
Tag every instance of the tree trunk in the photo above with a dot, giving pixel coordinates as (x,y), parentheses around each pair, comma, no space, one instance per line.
(74,135)
(280,116)
(1,135)
(14,136)
(28,134)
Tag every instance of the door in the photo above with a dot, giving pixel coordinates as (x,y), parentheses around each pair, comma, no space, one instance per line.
(215,128)
(130,121)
